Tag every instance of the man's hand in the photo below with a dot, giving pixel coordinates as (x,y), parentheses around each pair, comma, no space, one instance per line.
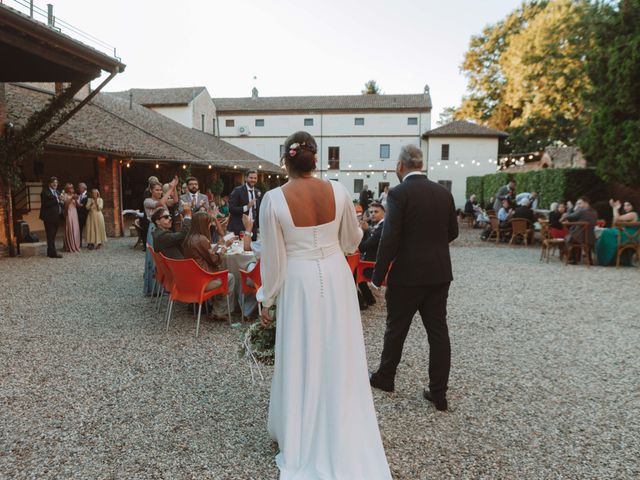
(251,203)
(247,222)
(364,225)
(186,209)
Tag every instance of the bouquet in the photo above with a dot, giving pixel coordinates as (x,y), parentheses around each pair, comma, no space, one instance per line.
(258,345)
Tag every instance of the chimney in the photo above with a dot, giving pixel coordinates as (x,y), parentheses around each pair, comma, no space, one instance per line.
(130,100)
(254,93)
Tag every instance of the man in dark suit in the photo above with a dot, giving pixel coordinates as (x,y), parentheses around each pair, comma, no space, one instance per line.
(164,240)
(83,196)
(365,197)
(50,211)
(245,199)
(582,213)
(369,247)
(420,222)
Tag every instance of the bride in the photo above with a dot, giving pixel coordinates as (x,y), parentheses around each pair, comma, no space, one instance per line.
(321,411)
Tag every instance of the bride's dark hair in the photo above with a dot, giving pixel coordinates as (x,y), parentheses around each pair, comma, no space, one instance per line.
(300,152)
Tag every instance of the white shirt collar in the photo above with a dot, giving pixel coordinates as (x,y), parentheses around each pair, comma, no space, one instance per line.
(411,173)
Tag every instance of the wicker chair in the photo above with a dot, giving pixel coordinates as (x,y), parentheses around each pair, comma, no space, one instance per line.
(549,245)
(628,239)
(521,228)
(581,231)
(496,229)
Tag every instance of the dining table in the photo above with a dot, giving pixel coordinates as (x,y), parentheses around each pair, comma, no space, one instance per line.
(234,260)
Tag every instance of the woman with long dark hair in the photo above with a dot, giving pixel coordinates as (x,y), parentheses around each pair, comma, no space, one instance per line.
(197,245)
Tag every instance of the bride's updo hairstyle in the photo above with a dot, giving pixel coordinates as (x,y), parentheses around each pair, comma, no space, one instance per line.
(300,153)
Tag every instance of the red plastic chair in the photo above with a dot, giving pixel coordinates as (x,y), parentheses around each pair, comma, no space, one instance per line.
(189,282)
(362,277)
(165,274)
(353,261)
(254,276)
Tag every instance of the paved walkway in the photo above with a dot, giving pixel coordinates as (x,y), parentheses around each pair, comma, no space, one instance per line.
(544,381)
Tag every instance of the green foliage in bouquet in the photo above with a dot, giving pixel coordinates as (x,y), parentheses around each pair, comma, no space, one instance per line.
(259,341)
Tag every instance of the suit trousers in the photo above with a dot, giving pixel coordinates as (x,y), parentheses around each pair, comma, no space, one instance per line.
(51,228)
(402,304)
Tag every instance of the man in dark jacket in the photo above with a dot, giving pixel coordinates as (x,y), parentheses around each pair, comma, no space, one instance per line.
(369,246)
(420,222)
(245,200)
(164,240)
(50,211)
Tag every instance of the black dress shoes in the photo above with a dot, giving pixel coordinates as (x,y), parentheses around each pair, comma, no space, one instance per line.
(440,402)
(375,382)
(57,255)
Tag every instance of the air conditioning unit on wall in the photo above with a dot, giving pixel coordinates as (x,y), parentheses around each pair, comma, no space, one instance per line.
(244,130)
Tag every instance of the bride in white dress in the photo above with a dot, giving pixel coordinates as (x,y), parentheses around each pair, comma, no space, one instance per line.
(321,411)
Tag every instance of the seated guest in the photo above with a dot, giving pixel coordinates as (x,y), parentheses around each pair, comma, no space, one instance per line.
(164,240)
(197,245)
(607,244)
(369,248)
(505,213)
(556,228)
(250,304)
(532,198)
(524,211)
(489,205)
(470,206)
(581,213)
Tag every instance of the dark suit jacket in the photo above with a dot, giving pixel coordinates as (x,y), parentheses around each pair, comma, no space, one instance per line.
(420,222)
(370,240)
(524,212)
(50,207)
(237,200)
(170,243)
(82,210)
(575,232)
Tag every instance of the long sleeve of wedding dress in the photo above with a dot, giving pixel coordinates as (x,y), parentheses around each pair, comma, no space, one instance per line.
(273,254)
(349,233)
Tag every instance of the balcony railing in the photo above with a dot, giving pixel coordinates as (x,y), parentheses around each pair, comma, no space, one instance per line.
(29,8)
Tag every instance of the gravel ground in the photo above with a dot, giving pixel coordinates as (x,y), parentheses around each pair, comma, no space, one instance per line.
(544,380)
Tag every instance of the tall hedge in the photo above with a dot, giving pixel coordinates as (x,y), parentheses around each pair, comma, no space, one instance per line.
(551,184)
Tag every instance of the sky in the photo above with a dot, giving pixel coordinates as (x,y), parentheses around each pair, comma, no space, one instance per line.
(328,47)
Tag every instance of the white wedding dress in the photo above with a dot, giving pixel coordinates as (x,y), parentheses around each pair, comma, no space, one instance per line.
(321,411)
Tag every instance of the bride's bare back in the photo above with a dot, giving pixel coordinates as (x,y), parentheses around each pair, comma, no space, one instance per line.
(311,201)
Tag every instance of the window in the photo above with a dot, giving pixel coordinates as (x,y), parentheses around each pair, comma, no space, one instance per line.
(308,122)
(281,151)
(358,184)
(334,158)
(202,122)
(412,121)
(445,152)
(385,150)
(259,122)
(445,183)
(358,121)
(229,123)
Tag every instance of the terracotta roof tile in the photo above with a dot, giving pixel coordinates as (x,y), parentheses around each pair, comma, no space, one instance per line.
(462,128)
(161,96)
(333,102)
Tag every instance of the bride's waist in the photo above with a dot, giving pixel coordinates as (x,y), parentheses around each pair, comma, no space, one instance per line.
(315,253)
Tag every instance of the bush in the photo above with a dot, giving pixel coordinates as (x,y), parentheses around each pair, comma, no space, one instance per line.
(552,185)
(474,187)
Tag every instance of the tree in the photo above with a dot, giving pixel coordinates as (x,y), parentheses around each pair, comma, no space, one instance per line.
(446,116)
(612,138)
(527,74)
(371,88)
